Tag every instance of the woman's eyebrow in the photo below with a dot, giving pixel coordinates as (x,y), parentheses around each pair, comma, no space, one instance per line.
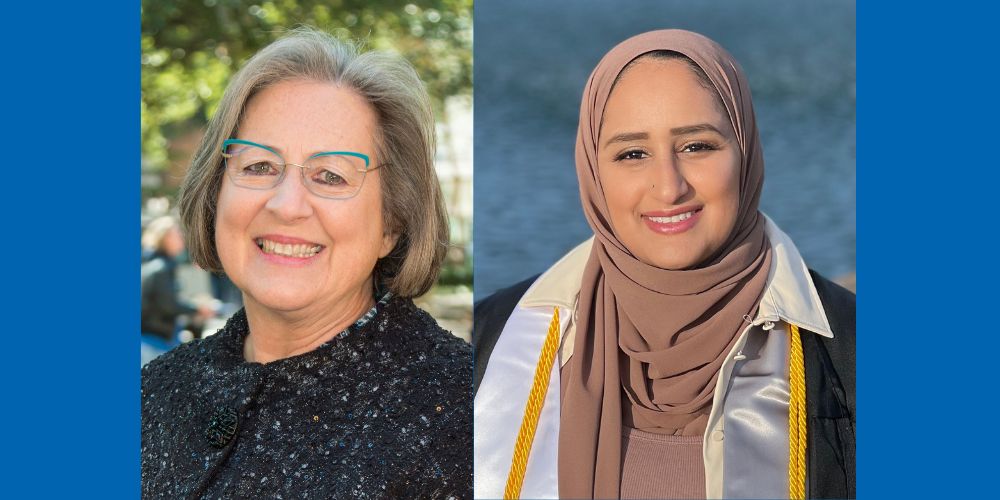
(691,129)
(626,137)
(276,149)
(640,136)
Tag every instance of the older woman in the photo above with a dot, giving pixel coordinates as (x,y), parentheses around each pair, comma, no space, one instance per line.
(697,354)
(314,191)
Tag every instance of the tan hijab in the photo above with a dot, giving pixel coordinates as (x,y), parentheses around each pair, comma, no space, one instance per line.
(650,341)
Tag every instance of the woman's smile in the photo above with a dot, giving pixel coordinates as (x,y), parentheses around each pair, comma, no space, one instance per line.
(287,250)
(672,221)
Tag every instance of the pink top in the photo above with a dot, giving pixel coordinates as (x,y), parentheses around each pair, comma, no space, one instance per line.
(661,466)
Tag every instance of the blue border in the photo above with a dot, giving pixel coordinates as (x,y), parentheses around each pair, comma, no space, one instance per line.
(927,182)
(70,367)
(927,188)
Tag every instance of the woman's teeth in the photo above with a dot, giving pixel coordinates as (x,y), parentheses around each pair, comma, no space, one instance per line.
(675,218)
(288,250)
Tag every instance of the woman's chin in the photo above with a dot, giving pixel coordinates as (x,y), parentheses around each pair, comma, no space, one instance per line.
(282,299)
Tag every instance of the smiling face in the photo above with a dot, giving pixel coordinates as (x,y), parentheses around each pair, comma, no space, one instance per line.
(286,248)
(669,165)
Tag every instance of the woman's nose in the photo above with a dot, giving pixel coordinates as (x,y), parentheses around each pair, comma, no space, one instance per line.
(668,183)
(290,198)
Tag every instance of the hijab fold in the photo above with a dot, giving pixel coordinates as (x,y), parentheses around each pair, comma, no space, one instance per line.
(650,342)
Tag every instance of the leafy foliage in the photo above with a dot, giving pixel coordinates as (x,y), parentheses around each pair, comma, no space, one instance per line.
(190,49)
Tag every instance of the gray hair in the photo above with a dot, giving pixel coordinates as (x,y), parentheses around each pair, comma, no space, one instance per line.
(413,206)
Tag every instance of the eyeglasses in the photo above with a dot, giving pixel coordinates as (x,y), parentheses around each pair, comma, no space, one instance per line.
(336,175)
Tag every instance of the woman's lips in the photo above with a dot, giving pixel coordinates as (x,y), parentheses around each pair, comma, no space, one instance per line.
(287,250)
(673,221)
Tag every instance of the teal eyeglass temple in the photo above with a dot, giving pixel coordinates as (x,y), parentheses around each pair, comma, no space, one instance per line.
(228,142)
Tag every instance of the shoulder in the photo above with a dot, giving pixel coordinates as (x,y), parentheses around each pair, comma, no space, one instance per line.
(499,304)
(426,373)
(558,286)
(489,317)
(419,333)
(177,362)
(492,312)
(835,357)
(181,366)
(839,305)
(838,301)
(432,361)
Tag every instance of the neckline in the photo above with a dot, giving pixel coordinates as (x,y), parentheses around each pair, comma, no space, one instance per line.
(233,335)
(666,439)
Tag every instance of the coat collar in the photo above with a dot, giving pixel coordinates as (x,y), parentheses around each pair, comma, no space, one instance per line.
(789,296)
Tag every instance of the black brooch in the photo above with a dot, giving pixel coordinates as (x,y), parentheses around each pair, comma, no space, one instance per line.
(222,427)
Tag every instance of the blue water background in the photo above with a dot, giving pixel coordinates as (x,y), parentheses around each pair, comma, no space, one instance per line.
(533,58)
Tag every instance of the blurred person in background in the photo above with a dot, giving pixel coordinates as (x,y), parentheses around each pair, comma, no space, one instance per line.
(314,191)
(226,293)
(163,311)
(698,355)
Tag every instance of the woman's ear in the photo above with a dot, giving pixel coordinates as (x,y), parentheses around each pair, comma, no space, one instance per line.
(389,240)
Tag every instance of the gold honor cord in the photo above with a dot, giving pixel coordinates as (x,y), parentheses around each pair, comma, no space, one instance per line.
(540,385)
(796,417)
(532,410)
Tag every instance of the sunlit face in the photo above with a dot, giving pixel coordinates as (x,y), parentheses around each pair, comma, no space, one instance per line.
(669,165)
(286,248)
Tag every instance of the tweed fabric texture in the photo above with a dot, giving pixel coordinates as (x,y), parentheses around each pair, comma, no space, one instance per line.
(383,410)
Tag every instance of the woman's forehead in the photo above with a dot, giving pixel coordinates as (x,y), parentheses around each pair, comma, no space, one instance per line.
(308,116)
(666,92)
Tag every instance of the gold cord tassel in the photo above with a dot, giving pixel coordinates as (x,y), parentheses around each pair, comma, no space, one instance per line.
(796,417)
(532,410)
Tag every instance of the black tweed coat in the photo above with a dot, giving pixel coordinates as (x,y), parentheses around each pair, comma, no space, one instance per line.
(384,410)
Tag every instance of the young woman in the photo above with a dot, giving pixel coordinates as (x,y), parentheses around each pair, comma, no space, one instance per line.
(686,351)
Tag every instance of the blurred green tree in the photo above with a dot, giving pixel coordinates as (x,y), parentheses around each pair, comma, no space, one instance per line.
(190,48)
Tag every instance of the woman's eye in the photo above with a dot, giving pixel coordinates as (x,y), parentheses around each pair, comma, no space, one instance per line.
(632,154)
(697,147)
(330,178)
(260,168)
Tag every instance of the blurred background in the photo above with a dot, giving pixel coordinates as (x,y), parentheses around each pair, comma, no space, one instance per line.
(191,48)
(533,59)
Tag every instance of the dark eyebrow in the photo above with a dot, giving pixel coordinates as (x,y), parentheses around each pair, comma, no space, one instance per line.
(691,129)
(641,136)
(626,137)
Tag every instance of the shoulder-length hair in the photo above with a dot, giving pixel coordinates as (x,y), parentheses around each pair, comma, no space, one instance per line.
(413,206)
